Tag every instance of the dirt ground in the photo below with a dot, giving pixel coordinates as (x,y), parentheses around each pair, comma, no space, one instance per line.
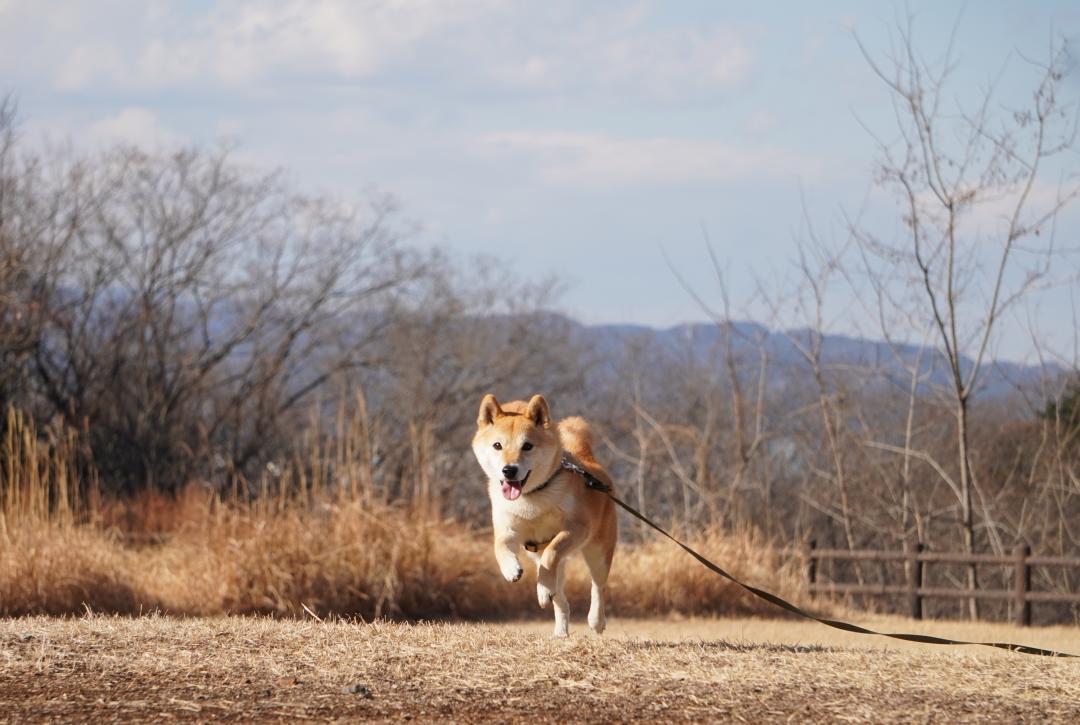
(106,669)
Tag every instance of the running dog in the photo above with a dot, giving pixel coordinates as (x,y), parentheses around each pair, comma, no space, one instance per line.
(540,505)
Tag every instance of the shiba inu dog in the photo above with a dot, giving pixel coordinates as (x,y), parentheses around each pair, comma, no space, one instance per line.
(542,507)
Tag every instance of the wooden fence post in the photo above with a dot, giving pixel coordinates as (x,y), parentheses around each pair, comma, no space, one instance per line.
(1022,585)
(811,563)
(914,580)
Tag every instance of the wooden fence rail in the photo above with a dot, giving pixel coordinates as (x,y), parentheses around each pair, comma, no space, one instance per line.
(915,590)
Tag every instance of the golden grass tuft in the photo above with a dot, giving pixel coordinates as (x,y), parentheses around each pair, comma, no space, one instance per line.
(659,577)
(307,545)
(347,559)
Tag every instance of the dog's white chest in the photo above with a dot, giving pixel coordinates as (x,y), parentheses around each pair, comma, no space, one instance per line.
(532,518)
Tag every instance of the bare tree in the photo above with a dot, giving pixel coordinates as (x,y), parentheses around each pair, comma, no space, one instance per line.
(198,305)
(744,359)
(16,329)
(979,218)
(38,224)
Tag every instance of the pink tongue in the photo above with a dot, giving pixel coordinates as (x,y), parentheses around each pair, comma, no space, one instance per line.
(510,492)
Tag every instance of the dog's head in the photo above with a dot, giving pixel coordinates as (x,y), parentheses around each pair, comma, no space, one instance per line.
(516,444)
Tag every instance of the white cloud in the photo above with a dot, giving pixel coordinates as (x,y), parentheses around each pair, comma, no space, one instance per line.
(994,212)
(494,216)
(485,45)
(234,44)
(762,121)
(620,54)
(135,126)
(987,218)
(230,128)
(86,64)
(583,159)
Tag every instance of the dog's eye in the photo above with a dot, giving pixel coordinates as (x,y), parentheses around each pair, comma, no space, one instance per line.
(498,446)
(526,446)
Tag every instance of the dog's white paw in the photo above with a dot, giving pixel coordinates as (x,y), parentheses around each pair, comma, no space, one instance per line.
(511,570)
(562,629)
(597,621)
(543,595)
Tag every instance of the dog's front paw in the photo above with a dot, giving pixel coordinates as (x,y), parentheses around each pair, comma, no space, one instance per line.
(511,570)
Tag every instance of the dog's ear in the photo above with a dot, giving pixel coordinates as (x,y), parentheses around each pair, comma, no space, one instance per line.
(489,411)
(537,411)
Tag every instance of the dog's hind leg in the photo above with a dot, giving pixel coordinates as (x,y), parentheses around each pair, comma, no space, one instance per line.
(598,553)
(598,559)
(551,572)
(550,589)
(562,605)
(543,594)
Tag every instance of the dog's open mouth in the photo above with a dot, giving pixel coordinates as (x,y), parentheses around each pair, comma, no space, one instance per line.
(512,489)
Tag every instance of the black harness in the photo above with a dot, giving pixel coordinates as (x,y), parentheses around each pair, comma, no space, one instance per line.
(567,465)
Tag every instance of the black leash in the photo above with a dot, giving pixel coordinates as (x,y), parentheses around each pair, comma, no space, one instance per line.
(596,484)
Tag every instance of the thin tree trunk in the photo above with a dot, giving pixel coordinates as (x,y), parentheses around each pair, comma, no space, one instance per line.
(966,513)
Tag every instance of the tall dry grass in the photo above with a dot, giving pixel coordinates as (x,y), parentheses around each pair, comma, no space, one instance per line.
(316,537)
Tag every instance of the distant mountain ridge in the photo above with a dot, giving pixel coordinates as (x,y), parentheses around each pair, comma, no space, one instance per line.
(704,341)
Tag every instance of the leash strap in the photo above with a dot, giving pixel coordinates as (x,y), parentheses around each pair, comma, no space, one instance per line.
(594,483)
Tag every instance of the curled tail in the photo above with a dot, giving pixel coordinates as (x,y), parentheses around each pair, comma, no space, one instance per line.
(577,437)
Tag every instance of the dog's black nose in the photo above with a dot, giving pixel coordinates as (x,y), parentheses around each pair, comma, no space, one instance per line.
(510,473)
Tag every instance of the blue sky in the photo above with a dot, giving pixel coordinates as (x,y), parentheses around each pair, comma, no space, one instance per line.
(585,139)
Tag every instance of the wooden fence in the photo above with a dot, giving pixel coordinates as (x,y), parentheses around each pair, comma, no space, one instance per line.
(915,591)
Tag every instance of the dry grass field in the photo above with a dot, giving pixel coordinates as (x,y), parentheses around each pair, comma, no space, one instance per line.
(105,669)
(232,589)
